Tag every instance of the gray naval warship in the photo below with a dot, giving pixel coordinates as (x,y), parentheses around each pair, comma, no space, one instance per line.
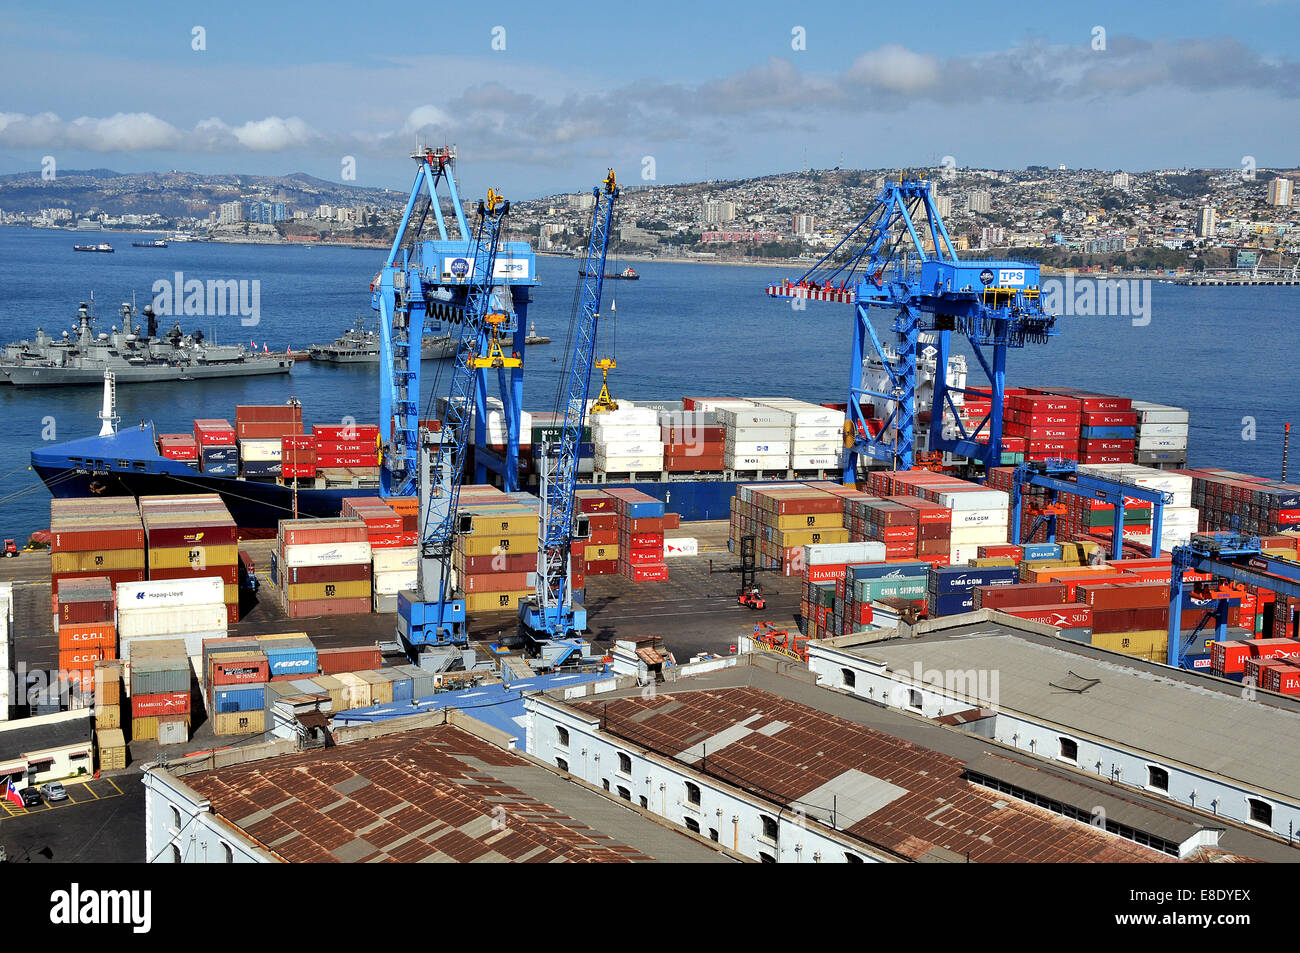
(359,346)
(134,354)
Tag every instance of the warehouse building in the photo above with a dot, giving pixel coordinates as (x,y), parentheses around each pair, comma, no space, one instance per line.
(46,748)
(433,788)
(1179,736)
(765,761)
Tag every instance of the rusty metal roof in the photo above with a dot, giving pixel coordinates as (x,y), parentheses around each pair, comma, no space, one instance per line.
(430,794)
(880,789)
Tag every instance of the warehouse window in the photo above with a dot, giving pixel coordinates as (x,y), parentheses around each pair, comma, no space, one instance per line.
(176,818)
(1157,778)
(624,763)
(561,736)
(915,699)
(562,765)
(713,834)
(1069,750)
(1261,812)
(692,793)
(624,793)
(769,827)
(176,854)
(227,855)
(645,803)
(766,858)
(848,678)
(852,858)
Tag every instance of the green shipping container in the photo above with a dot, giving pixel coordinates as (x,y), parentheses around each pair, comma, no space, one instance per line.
(909,587)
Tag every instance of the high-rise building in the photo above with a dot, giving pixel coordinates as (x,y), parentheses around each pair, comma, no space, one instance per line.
(943,205)
(1119,180)
(1206,220)
(991,237)
(981,201)
(802,225)
(230,213)
(1279,192)
(717,211)
(583,200)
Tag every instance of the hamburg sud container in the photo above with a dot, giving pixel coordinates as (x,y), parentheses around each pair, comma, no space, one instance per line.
(193,535)
(324,567)
(95,537)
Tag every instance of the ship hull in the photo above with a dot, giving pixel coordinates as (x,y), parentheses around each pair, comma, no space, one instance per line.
(21,376)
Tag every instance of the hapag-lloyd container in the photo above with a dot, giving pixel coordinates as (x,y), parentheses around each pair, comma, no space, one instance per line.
(170,593)
(171,620)
(326,554)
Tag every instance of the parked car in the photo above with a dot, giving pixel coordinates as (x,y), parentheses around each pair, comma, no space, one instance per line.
(31,797)
(54,791)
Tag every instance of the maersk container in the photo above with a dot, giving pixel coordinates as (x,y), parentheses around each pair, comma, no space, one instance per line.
(290,660)
(228,698)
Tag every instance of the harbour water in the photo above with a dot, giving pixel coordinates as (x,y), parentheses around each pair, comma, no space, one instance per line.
(700,329)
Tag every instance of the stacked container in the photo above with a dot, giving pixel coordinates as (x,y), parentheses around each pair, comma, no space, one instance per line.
(392,549)
(1238,502)
(548,428)
(218,447)
(1180,517)
(627,440)
(348,451)
(159,687)
(891,523)
(96,537)
(110,744)
(495,558)
(324,567)
(600,551)
(236,689)
(640,535)
(950,590)
(83,619)
(1048,424)
(158,610)
(758,438)
(108,694)
(694,441)
(1161,434)
(193,536)
(267,421)
(298,457)
(816,433)
(786,517)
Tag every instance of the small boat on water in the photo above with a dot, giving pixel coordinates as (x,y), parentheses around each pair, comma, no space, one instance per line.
(156,243)
(627,274)
(101,247)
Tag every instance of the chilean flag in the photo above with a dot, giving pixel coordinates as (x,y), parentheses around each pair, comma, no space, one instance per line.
(11,794)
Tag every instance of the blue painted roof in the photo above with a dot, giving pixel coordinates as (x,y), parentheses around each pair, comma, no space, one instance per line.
(501,706)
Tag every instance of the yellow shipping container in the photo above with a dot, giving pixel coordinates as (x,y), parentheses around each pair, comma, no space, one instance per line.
(348,589)
(108,683)
(357,690)
(810,537)
(993,561)
(239,723)
(598,553)
(496,601)
(279,636)
(144,729)
(507,521)
(486,545)
(809,521)
(230,595)
(107,717)
(381,689)
(107,559)
(1150,644)
(337,691)
(183,557)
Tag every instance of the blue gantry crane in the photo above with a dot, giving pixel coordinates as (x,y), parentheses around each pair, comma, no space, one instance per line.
(1232,556)
(885,262)
(1063,476)
(434,614)
(425,279)
(550,620)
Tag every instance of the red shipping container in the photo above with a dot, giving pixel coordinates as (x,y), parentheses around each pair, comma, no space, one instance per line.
(900,549)
(654,573)
(603,537)
(826,572)
(326,462)
(340,572)
(1003,598)
(305,608)
(214,433)
(1284,679)
(646,525)
(645,557)
(1067,616)
(298,471)
(324,531)
(248,670)
(359,659)
(229,575)
(166,703)
(601,567)
(392,541)
(653,541)
(1110,418)
(368,432)
(495,582)
(76,613)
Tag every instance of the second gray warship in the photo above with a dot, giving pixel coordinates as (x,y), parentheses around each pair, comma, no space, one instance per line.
(134,354)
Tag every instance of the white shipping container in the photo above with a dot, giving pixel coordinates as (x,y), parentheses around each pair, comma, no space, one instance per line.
(816,433)
(753,417)
(170,620)
(814,461)
(172,592)
(682,546)
(757,435)
(974,500)
(804,414)
(391,583)
(714,404)
(326,554)
(629,464)
(821,554)
(633,433)
(259,450)
(978,535)
(964,519)
(815,446)
(631,448)
(626,416)
(391,559)
(1146,442)
(1163,430)
(1159,413)
(753,463)
(757,448)
(962,555)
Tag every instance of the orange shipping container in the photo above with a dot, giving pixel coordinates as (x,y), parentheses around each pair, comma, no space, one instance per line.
(89,635)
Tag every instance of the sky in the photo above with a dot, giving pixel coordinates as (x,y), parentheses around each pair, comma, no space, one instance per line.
(540,98)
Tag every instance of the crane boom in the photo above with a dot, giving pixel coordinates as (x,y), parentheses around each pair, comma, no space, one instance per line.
(551,614)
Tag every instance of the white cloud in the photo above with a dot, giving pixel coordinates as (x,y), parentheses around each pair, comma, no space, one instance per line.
(894,69)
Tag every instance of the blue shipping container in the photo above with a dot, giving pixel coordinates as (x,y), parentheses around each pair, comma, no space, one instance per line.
(241,698)
(645,510)
(1041,551)
(890,570)
(403,690)
(954,603)
(220,469)
(220,454)
(1108,433)
(945,580)
(294,660)
(261,468)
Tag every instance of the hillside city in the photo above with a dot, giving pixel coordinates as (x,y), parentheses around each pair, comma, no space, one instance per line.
(1183,220)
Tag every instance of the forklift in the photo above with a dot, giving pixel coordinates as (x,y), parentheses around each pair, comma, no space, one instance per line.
(750,593)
